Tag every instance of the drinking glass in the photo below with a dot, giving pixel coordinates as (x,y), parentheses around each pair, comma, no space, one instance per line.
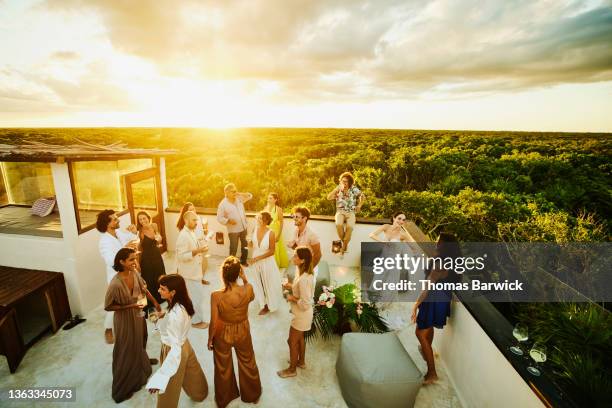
(142,301)
(153,318)
(520,333)
(205,225)
(538,354)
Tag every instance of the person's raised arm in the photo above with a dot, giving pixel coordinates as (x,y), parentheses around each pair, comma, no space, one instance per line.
(153,300)
(333,194)
(244,197)
(374,234)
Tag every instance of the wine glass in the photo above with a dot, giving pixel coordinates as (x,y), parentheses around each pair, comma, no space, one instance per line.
(142,301)
(538,354)
(153,318)
(520,333)
(204,225)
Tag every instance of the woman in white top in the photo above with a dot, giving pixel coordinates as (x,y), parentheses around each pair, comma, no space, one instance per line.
(301,300)
(268,289)
(179,365)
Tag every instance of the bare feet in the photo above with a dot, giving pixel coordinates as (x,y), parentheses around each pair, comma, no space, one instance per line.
(108,336)
(299,365)
(264,311)
(430,378)
(286,373)
(205,282)
(201,325)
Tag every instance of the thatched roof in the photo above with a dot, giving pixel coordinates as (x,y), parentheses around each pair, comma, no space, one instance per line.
(42,152)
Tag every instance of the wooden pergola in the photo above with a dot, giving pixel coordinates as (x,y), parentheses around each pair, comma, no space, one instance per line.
(81,151)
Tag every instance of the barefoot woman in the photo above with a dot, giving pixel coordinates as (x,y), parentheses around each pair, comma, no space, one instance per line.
(433,306)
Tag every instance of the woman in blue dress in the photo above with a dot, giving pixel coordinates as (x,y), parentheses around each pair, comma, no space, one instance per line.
(433,306)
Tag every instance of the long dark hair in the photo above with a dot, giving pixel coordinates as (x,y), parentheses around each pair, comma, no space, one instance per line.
(180,224)
(176,283)
(230,270)
(138,224)
(305,254)
(448,247)
(122,255)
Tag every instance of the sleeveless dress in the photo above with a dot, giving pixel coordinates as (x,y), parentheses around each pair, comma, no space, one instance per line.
(151,266)
(266,276)
(232,330)
(280,252)
(435,308)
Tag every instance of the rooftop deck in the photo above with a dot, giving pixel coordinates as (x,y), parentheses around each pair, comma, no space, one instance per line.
(19,220)
(67,359)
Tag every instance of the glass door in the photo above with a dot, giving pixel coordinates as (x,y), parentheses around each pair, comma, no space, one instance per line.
(143,193)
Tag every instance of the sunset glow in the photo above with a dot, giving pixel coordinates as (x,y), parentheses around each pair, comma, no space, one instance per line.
(390,64)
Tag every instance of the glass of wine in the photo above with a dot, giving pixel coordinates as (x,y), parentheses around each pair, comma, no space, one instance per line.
(538,354)
(153,318)
(142,301)
(520,333)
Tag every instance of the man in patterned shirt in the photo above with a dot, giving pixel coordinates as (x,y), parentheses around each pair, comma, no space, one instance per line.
(349,200)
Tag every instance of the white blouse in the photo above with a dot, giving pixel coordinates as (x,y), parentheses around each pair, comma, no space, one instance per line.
(173,329)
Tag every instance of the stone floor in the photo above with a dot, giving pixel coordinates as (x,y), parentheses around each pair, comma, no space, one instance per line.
(80,358)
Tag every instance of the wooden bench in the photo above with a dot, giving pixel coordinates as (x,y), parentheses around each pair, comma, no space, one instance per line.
(17,287)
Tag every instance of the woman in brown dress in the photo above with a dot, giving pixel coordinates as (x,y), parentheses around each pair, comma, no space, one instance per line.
(229,327)
(301,301)
(131,364)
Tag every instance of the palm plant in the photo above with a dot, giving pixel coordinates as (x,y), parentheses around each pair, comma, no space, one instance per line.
(336,317)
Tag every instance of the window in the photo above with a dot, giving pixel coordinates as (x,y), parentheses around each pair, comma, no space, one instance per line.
(99,185)
(22,183)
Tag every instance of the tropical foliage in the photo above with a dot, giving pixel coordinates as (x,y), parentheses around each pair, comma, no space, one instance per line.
(483,186)
(339,311)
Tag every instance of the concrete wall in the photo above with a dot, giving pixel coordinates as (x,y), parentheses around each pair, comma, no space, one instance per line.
(74,255)
(479,372)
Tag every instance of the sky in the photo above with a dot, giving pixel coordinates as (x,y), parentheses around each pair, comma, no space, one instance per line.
(409,64)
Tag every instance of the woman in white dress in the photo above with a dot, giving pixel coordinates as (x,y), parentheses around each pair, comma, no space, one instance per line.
(394,232)
(180,368)
(398,241)
(267,281)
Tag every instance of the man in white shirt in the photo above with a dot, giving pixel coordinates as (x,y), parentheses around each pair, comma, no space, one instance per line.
(231,214)
(189,252)
(112,239)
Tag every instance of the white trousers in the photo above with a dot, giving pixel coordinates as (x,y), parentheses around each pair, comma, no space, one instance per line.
(200,297)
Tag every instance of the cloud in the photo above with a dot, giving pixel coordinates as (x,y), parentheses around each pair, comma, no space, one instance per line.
(363,50)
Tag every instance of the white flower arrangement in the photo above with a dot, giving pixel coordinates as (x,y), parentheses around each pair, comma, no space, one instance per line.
(327,298)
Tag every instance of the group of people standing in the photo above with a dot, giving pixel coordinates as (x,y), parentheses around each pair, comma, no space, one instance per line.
(132,279)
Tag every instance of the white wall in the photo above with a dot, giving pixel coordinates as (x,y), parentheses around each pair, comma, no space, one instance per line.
(479,372)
